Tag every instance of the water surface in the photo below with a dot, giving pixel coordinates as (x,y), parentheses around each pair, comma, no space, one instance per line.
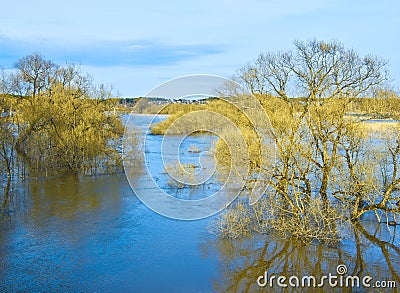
(86,234)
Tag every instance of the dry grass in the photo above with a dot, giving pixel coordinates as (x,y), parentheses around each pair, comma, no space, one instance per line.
(315,223)
(181,175)
(236,222)
(379,125)
(193,149)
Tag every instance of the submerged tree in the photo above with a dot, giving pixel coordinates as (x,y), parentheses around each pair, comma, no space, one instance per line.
(58,119)
(323,154)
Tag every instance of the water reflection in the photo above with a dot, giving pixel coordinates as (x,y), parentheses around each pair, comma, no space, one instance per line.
(373,251)
(65,198)
(68,197)
(5,212)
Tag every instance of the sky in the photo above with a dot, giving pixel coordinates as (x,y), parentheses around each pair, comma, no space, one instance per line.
(134,46)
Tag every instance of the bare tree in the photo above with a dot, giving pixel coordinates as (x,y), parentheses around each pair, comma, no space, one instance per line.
(322,152)
(36,72)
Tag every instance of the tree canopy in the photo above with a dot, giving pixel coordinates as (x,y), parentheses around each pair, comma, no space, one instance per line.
(56,120)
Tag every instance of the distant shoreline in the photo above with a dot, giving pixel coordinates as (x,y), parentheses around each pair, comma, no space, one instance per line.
(159,115)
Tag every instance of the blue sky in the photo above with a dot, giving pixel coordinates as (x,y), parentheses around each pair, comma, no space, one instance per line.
(136,45)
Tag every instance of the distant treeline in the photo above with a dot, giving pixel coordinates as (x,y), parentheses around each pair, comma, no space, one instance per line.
(384,104)
(146,105)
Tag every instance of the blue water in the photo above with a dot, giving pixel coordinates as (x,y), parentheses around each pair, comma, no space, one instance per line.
(92,234)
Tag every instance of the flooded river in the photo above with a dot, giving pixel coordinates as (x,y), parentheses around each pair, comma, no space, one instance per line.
(92,234)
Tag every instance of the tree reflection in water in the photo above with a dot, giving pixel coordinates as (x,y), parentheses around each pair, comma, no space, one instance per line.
(5,211)
(66,198)
(373,251)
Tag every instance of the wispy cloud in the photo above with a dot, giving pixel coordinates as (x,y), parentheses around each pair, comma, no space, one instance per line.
(106,53)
